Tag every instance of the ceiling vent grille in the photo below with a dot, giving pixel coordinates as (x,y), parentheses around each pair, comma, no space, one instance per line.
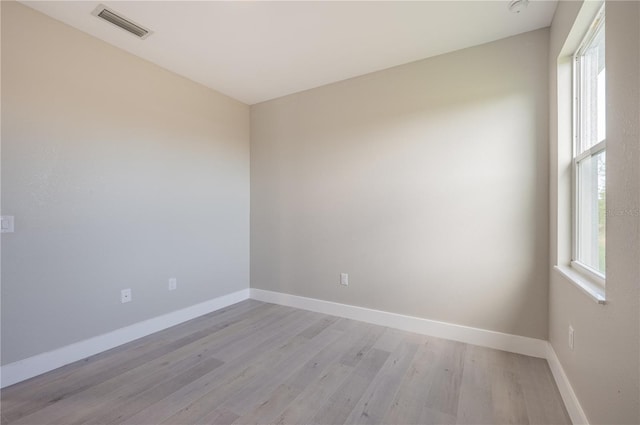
(120,21)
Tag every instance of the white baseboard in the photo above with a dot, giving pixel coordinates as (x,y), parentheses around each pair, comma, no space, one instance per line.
(45,362)
(569,397)
(501,341)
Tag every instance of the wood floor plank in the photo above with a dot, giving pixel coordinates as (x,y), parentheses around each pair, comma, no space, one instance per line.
(374,404)
(245,362)
(51,391)
(227,314)
(391,339)
(475,406)
(542,397)
(227,341)
(306,405)
(218,417)
(309,398)
(107,394)
(509,406)
(116,412)
(369,335)
(169,355)
(410,399)
(255,391)
(446,376)
(491,391)
(146,374)
(339,406)
(134,398)
(430,416)
(274,402)
(319,327)
(261,363)
(243,391)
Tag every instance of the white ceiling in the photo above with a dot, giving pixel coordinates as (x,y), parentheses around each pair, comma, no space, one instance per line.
(259,50)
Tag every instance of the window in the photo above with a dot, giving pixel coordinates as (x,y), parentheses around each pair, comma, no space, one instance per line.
(589,165)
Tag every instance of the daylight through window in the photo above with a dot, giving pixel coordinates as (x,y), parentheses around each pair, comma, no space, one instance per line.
(589,165)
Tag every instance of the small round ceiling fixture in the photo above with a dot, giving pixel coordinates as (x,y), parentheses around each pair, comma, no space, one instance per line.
(517,6)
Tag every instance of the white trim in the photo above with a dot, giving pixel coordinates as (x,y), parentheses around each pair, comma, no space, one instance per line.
(569,397)
(501,341)
(589,273)
(592,289)
(45,362)
(580,154)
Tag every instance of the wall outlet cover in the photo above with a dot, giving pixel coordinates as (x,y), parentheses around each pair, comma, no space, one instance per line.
(570,341)
(125,296)
(7,224)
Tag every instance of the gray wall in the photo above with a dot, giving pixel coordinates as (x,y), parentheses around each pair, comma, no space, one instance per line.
(427,183)
(120,175)
(604,366)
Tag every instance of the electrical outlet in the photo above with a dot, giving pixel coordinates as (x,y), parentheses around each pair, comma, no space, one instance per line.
(344,279)
(173,284)
(125,296)
(570,341)
(7,223)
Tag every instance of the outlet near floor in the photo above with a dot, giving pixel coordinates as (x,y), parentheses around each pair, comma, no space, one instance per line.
(173,284)
(570,341)
(125,295)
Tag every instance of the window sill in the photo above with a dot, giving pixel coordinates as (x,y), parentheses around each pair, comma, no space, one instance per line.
(590,288)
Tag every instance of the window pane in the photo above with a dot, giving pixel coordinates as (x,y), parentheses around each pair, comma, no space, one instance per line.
(592,128)
(591,182)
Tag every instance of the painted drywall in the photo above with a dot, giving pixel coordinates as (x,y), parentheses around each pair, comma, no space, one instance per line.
(604,365)
(427,183)
(120,174)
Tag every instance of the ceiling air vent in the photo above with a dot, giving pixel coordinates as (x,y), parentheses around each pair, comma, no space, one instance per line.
(120,21)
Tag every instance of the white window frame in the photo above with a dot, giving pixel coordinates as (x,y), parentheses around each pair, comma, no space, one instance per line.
(578,156)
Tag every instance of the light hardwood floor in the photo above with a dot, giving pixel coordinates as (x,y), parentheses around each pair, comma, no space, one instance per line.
(261,363)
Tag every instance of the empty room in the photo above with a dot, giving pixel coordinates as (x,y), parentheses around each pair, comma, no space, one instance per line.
(320,212)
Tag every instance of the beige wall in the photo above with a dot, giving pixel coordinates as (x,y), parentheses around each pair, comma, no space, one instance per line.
(427,183)
(120,175)
(604,367)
